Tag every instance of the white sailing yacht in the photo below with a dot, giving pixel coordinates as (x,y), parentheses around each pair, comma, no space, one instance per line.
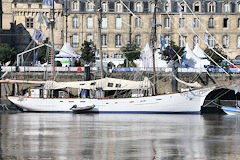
(110,95)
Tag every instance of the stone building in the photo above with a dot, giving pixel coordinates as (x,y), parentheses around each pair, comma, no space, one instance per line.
(77,20)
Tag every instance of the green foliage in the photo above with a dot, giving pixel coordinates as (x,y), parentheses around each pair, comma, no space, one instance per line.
(131,51)
(213,55)
(7,53)
(42,52)
(177,49)
(88,51)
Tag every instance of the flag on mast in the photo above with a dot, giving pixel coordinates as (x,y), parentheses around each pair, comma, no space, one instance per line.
(49,3)
(43,20)
(38,35)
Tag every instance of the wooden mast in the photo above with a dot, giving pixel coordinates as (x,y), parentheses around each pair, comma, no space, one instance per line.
(52,40)
(100,37)
(153,44)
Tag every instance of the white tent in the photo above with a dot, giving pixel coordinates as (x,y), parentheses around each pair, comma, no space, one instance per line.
(67,51)
(191,59)
(200,54)
(66,54)
(146,58)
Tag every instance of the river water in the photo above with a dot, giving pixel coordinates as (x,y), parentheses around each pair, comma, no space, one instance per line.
(60,136)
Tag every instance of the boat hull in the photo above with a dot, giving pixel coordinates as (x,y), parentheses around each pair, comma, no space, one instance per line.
(186,102)
(231,110)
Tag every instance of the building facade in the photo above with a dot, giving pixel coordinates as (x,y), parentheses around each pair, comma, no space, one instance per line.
(77,20)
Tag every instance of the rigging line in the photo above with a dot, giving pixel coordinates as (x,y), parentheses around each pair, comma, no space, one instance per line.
(130,10)
(202,40)
(210,35)
(216,98)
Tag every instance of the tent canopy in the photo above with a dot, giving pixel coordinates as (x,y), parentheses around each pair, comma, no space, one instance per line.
(67,51)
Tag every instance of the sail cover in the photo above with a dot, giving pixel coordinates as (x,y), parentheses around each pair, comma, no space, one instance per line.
(195,84)
(105,84)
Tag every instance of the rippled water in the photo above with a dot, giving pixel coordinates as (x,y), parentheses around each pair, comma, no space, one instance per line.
(118,136)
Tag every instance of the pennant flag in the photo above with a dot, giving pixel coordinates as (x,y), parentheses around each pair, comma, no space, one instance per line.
(6,93)
(171,52)
(49,3)
(36,58)
(205,38)
(38,35)
(184,60)
(43,20)
(163,42)
(180,9)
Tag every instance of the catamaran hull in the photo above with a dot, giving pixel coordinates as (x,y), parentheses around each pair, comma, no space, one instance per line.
(186,102)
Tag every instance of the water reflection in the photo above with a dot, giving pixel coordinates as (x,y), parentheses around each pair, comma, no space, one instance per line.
(118,136)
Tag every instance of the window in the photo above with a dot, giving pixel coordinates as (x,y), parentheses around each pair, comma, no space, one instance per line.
(195,40)
(183,7)
(104,7)
(89,37)
(75,22)
(40,6)
(151,23)
(29,22)
(138,22)
(29,6)
(225,41)
(197,7)
(167,7)
(89,22)
(75,5)
(238,41)
(110,84)
(104,40)
(138,7)
(75,41)
(210,23)
(238,7)
(211,41)
(138,40)
(238,23)
(181,22)
(118,40)
(226,7)
(118,55)
(152,6)
(104,22)
(118,7)
(15,5)
(167,39)
(211,7)
(225,23)
(196,23)
(90,6)
(118,23)
(182,41)
(166,22)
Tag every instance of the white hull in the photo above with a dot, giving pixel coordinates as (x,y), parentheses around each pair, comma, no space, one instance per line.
(186,102)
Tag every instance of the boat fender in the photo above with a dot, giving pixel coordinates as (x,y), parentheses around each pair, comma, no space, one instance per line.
(74,106)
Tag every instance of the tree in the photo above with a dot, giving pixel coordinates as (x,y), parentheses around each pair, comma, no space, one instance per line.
(169,53)
(213,55)
(88,51)
(7,54)
(131,52)
(42,52)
